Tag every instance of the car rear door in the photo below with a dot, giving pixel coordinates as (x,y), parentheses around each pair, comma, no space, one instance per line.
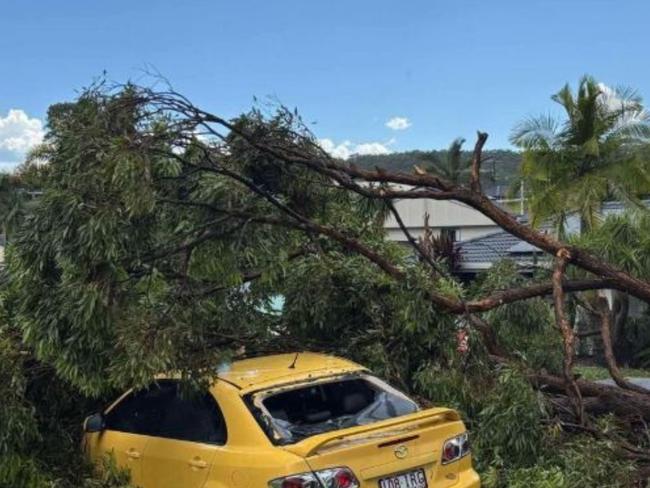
(129,423)
(191,431)
(127,450)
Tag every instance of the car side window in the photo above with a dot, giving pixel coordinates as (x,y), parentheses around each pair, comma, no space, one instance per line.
(163,410)
(141,412)
(194,418)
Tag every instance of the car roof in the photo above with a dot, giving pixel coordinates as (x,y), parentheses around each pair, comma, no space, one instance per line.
(266,371)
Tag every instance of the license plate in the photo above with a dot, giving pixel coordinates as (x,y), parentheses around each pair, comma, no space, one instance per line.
(411,479)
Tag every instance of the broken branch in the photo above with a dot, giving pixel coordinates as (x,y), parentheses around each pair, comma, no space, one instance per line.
(568,337)
(475,177)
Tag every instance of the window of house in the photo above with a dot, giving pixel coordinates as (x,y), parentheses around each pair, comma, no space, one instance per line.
(450,233)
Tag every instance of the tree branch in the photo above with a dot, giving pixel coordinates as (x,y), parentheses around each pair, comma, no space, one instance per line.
(568,338)
(419,186)
(604,314)
(504,297)
(413,242)
(475,176)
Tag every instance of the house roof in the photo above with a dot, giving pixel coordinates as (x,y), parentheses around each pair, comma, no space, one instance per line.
(488,248)
(523,247)
(482,252)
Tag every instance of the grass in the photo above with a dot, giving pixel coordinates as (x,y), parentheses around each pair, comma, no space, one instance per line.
(599,373)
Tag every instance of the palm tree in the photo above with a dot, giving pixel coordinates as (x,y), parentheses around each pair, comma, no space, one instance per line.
(598,152)
(572,166)
(453,166)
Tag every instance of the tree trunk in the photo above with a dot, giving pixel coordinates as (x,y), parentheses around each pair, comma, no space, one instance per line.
(599,398)
(568,335)
(620,310)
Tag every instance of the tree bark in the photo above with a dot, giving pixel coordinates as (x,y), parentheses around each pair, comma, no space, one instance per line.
(568,336)
(475,177)
(620,344)
(598,398)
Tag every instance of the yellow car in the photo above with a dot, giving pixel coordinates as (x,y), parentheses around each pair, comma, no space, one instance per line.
(285,421)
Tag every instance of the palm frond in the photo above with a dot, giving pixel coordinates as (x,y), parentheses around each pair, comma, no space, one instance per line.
(564,97)
(632,125)
(455,159)
(535,133)
(620,97)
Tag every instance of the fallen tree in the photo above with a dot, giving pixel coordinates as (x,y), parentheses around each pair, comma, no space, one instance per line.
(165,232)
(388,186)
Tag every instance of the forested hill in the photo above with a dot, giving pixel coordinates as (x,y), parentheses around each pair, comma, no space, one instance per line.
(500,167)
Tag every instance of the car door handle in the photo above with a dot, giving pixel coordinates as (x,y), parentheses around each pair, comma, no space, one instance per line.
(133,454)
(198,463)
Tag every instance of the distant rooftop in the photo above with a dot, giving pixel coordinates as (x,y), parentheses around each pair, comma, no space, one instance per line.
(480,253)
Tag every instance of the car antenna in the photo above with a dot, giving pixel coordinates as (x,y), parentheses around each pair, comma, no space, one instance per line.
(293,363)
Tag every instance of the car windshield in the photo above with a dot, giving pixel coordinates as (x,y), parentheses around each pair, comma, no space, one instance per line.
(297,412)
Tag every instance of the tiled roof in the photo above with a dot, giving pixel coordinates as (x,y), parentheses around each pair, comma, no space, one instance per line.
(489,248)
(523,247)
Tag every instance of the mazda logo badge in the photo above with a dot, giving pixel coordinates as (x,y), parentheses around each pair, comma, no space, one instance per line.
(401,452)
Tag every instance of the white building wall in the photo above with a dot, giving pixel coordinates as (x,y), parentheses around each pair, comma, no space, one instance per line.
(448,214)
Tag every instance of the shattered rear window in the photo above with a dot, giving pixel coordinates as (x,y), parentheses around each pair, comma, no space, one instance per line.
(294,413)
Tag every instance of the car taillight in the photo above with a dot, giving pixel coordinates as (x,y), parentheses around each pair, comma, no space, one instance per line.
(455,448)
(298,482)
(345,479)
(327,478)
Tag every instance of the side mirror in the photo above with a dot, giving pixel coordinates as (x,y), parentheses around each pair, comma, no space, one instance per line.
(94,423)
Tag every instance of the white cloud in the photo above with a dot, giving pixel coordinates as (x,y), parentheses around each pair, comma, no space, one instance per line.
(398,123)
(341,151)
(371,148)
(18,134)
(346,149)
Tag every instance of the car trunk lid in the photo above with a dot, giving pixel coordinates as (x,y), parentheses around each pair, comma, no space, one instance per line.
(405,444)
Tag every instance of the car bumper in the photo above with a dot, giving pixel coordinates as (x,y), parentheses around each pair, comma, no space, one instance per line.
(468,479)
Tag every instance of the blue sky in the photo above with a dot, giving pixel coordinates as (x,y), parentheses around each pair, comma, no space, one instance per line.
(350,66)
